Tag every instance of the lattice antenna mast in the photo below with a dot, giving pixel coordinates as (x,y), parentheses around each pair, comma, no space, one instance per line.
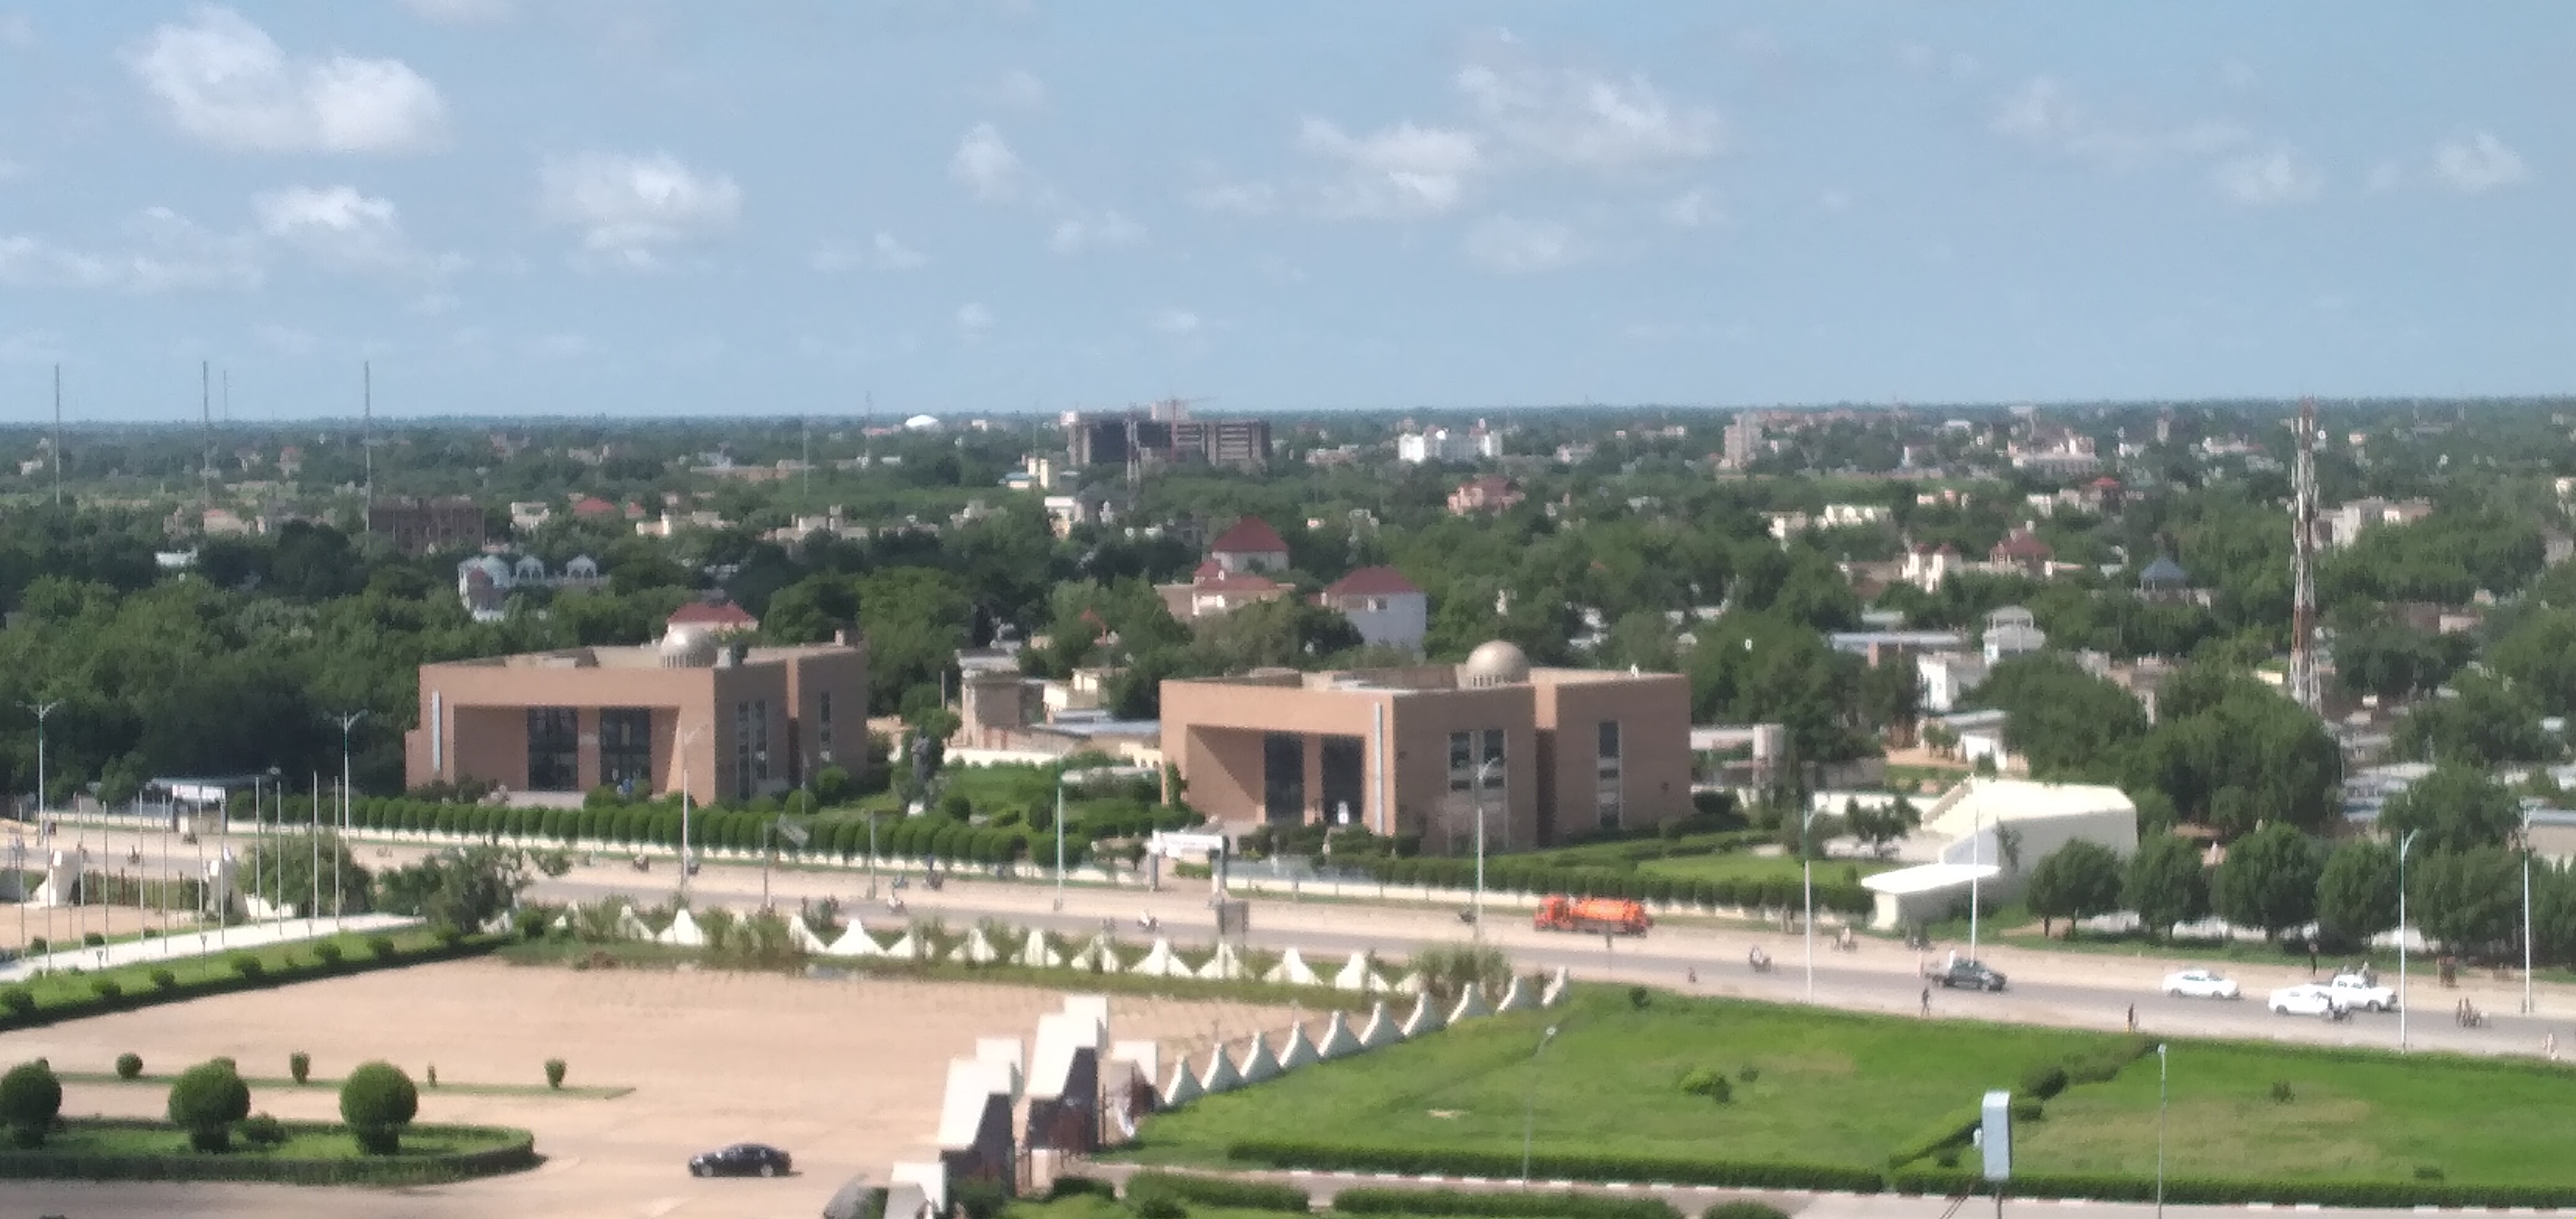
(2303,559)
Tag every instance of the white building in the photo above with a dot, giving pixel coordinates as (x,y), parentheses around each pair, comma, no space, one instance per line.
(1387,609)
(1989,833)
(1945,678)
(1442,444)
(2010,632)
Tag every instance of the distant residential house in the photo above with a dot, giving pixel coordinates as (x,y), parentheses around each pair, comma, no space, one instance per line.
(1387,609)
(1442,444)
(1213,592)
(484,583)
(529,516)
(1485,493)
(1249,545)
(2023,551)
(2343,525)
(2164,581)
(593,508)
(1946,678)
(1930,567)
(2010,632)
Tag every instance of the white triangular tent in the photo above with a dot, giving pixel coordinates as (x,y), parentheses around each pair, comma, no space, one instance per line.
(630,926)
(1097,957)
(1471,1004)
(1221,1075)
(1357,977)
(682,933)
(1259,1064)
(1297,1051)
(906,947)
(1338,1041)
(1412,984)
(1036,954)
(1224,965)
(855,942)
(977,950)
(1556,987)
(1292,971)
(1184,1087)
(1520,996)
(1382,1028)
(803,936)
(1425,1018)
(1161,962)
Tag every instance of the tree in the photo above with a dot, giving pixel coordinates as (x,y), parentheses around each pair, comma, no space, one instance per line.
(2465,900)
(2166,884)
(2485,721)
(206,1100)
(2455,808)
(30,1099)
(461,888)
(2269,879)
(377,1101)
(1878,828)
(2064,721)
(2357,892)
(281,871)
(2078,880)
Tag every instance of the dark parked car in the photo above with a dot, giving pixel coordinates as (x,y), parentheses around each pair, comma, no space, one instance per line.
(1971,975)
(741,1160)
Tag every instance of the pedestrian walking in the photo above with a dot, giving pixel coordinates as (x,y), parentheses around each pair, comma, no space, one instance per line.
(2549,1045)
(2312,956)
(1927,1000)
(2133,1017)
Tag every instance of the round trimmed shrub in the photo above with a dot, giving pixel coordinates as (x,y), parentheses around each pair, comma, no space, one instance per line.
(1743,1208)
(106,988)
(207,1099)
(1702,1081)
(129,1065)
(2044,1081)
(381,947)
(300,1065)
(329,954)
(554,1072)
(37,945)
(249,967)
(17,1000)
(30,1099)
(261,1130)
(93,939)
(377,1102)
(163,979)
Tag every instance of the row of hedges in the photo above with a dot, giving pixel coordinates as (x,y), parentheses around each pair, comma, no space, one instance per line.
(1552,1165)
(1280,1153)
(1565,1205)
(1227,1193)
(515,1150)
(2039,1084)
(1518,876)
(142,985)
(719,829)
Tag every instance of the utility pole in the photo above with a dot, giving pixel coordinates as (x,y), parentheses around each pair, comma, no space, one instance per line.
(367,441)
(42,710)
(58,436)
(206,425)
(348,724)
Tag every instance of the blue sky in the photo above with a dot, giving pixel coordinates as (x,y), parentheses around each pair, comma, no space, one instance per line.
(639,207)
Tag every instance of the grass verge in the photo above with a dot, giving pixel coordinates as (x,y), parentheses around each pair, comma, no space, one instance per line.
(314,1153)
(73,994)
(319,1084)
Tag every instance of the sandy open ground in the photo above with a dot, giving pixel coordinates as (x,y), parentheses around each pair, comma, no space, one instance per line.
(845,1074)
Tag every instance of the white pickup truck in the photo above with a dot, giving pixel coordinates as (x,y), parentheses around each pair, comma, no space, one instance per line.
(2358,991)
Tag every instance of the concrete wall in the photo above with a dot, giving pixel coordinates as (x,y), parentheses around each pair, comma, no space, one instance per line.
(1402,624)
(1653,713)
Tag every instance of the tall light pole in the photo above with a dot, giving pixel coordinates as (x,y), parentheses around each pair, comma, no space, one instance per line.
(2403,845)
(1976,875)
(1807,876)
(686,739)
(1477,913)
(42,710)
(2526,912)
(348,725)
(1529,1107)
(1060,776)
(2161,1094)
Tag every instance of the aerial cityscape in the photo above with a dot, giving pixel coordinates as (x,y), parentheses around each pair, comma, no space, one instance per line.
(900,610)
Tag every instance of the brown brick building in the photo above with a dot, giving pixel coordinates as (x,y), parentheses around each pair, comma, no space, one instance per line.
(421,526)
(1550,753)
(728,720)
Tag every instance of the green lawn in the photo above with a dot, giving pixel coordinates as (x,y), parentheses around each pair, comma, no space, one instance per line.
(1842,1089)
(304,1141)
(1739,865)
(1092,1206)
(136,980)
(1829,1088)
(260,1085)
(2349,1117)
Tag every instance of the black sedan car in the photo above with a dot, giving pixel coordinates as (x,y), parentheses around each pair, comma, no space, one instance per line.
(741,1160)
(1969,975)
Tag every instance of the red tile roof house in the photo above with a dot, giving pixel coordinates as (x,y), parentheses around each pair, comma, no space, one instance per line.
(2022,549)
(1484,493)
(713,618)
(1249,545)
(1388,609)
(1213,592)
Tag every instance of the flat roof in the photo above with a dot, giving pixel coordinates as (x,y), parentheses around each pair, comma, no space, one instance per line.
(1929,878)
(634,656)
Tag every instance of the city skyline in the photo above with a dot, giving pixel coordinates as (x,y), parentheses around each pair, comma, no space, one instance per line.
(583,208)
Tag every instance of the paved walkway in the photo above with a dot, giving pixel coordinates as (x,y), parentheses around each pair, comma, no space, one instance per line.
(182,944)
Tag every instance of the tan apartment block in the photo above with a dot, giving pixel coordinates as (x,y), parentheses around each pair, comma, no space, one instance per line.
(722,719)
(1546,754)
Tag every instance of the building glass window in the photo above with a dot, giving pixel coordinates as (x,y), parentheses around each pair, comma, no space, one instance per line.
(626,749)
(823,726)
(760,740)
(1462,761)
(554,749)
(1608,774)
(742,751)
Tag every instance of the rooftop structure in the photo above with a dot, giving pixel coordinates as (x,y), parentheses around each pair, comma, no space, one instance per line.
(1387,609)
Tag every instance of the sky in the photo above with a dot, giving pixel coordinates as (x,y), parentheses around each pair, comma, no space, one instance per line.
(644,207)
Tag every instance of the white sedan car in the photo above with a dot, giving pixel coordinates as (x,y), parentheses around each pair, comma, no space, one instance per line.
(2200,984)
(2306,999)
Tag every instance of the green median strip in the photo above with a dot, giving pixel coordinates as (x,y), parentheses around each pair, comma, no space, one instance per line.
(319,1084)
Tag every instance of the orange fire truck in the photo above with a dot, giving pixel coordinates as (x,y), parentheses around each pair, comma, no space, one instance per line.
(1592,915)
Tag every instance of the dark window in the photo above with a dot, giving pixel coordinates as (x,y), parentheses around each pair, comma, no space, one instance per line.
(1462,761)
(554,749)
(760,740)
(823,726)
(742,751)
(626,749)
(1345,778)
(1607,775)
(1283,778)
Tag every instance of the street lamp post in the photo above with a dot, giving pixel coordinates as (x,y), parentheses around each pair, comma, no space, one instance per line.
(1976,875)
(1477,912)
(2403,845)
(2526,912)
(1529,1107)
(686,739)
(42,710)
(1059,840)
(1807,877)
(2161,1094)
(348,724)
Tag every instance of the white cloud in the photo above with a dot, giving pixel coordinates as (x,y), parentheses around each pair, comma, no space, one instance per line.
(886,253)
(1574,117)
(1241,198)
(31,347)
(1106,231)
(1176,322)
(1519,247)
(2268,178)
(2477,163)
(985,165)
(287,340)
(1692,209)
(1018,89)
(335,225)
(227,83)
(974,318)
(1401,171)
(627,207)
(462,12)
(2042,113)
(167,253)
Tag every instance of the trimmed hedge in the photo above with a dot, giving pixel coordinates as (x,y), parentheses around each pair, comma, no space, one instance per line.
(518,1153)
(13,1016)
(2219,1192)
(1534,876)
(1597,1166)
(1568,1204)
(1223,1192)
